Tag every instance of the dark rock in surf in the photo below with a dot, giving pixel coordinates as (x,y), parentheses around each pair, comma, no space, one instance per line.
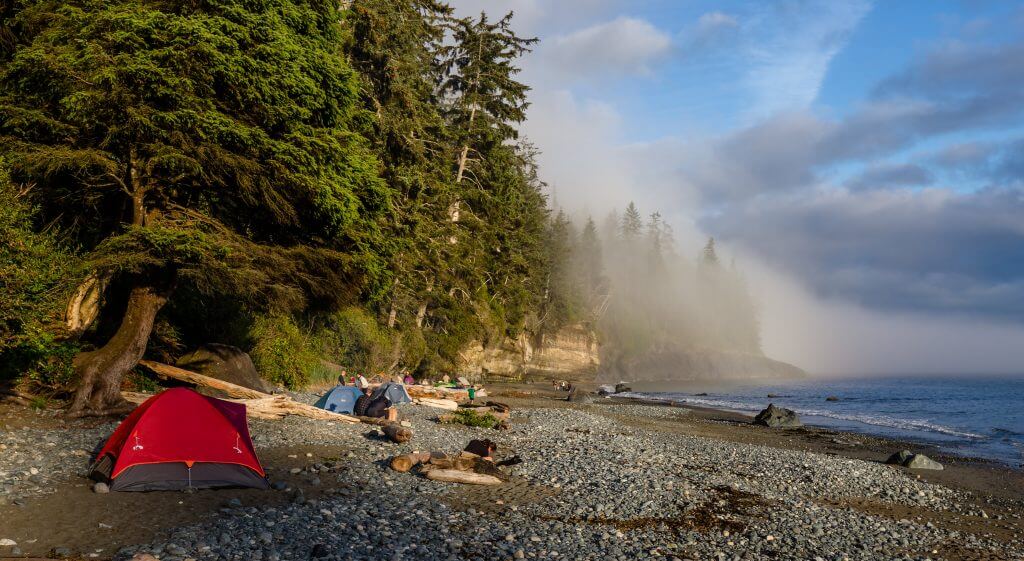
(900,458)
(777,417)
(831,398)
(913,461)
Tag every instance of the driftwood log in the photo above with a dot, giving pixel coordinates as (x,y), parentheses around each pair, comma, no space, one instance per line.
(232,390)
(442,467)
(457,476)
(397,433)
(448,404)
(437,393)
(270,407)
(405,462)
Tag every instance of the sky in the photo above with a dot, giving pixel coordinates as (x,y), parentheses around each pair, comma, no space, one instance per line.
(863,161)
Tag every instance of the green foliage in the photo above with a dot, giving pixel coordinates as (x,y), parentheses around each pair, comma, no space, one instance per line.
(281,352)
(35,279)
(351,337)
(348,166)
(218,140)
(471,418)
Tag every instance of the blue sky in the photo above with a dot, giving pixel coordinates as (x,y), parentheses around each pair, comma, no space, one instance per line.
(867,155)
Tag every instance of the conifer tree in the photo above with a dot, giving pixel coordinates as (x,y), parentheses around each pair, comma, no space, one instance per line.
(632,223)
(206,143)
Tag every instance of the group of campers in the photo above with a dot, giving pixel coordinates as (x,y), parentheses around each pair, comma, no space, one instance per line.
(353,396)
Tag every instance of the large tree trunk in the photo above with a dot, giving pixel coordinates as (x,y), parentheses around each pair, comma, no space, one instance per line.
(100,372)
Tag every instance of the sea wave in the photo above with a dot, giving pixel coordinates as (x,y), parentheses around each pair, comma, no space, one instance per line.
(873,419)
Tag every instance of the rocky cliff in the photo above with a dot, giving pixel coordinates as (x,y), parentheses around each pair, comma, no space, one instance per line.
(571,353)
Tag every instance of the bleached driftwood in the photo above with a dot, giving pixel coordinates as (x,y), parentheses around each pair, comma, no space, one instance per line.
(448,404)
(457,476)
(258,405)
(269,407)
(437,393)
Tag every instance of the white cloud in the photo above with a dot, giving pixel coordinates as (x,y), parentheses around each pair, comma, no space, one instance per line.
(790,46)
(714,21)
(620,46)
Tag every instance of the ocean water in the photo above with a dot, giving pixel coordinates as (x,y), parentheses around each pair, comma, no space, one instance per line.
(972,416)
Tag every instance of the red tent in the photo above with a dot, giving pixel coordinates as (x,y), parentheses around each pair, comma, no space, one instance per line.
(180,439)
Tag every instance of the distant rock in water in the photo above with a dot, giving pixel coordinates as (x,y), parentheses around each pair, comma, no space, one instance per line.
(913,461)
(920,461)
(777,417)
(672,364)
(226,363)
(831,398)
(900,458)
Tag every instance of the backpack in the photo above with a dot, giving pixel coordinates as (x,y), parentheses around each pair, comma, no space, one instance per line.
(378,407)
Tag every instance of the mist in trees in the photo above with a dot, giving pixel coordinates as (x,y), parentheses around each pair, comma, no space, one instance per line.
(628,279)
(340,181)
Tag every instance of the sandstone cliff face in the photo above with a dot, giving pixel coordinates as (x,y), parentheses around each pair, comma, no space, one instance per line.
(571,353)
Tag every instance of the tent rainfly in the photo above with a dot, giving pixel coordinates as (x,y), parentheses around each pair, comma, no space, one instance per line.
(179,439)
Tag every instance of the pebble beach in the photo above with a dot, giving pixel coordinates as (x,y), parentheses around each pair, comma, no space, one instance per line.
(599,481)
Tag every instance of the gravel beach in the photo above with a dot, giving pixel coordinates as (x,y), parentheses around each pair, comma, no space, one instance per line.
(601,481)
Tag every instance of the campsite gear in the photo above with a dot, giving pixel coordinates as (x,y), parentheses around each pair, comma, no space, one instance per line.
(361,404)
(378,406)
(395,393)
(341,399)
(483,448)
(179,439)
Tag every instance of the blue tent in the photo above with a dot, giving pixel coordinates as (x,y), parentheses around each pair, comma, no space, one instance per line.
(395,393)
(341,399)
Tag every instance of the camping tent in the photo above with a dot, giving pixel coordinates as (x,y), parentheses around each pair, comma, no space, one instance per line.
(179,439)
(341,399)
(395,393)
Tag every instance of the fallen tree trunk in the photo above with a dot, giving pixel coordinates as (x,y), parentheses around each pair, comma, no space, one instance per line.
(270,407)
(232,390)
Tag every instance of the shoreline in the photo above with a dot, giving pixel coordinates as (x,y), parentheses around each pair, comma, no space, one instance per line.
(612,479)
(973,474)
(938,420)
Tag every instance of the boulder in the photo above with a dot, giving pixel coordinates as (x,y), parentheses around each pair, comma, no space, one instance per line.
(920,461)
(900,458)
(831,398)
(578,396)
(621,387)
(226,363)
(777,417)
(913,461)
